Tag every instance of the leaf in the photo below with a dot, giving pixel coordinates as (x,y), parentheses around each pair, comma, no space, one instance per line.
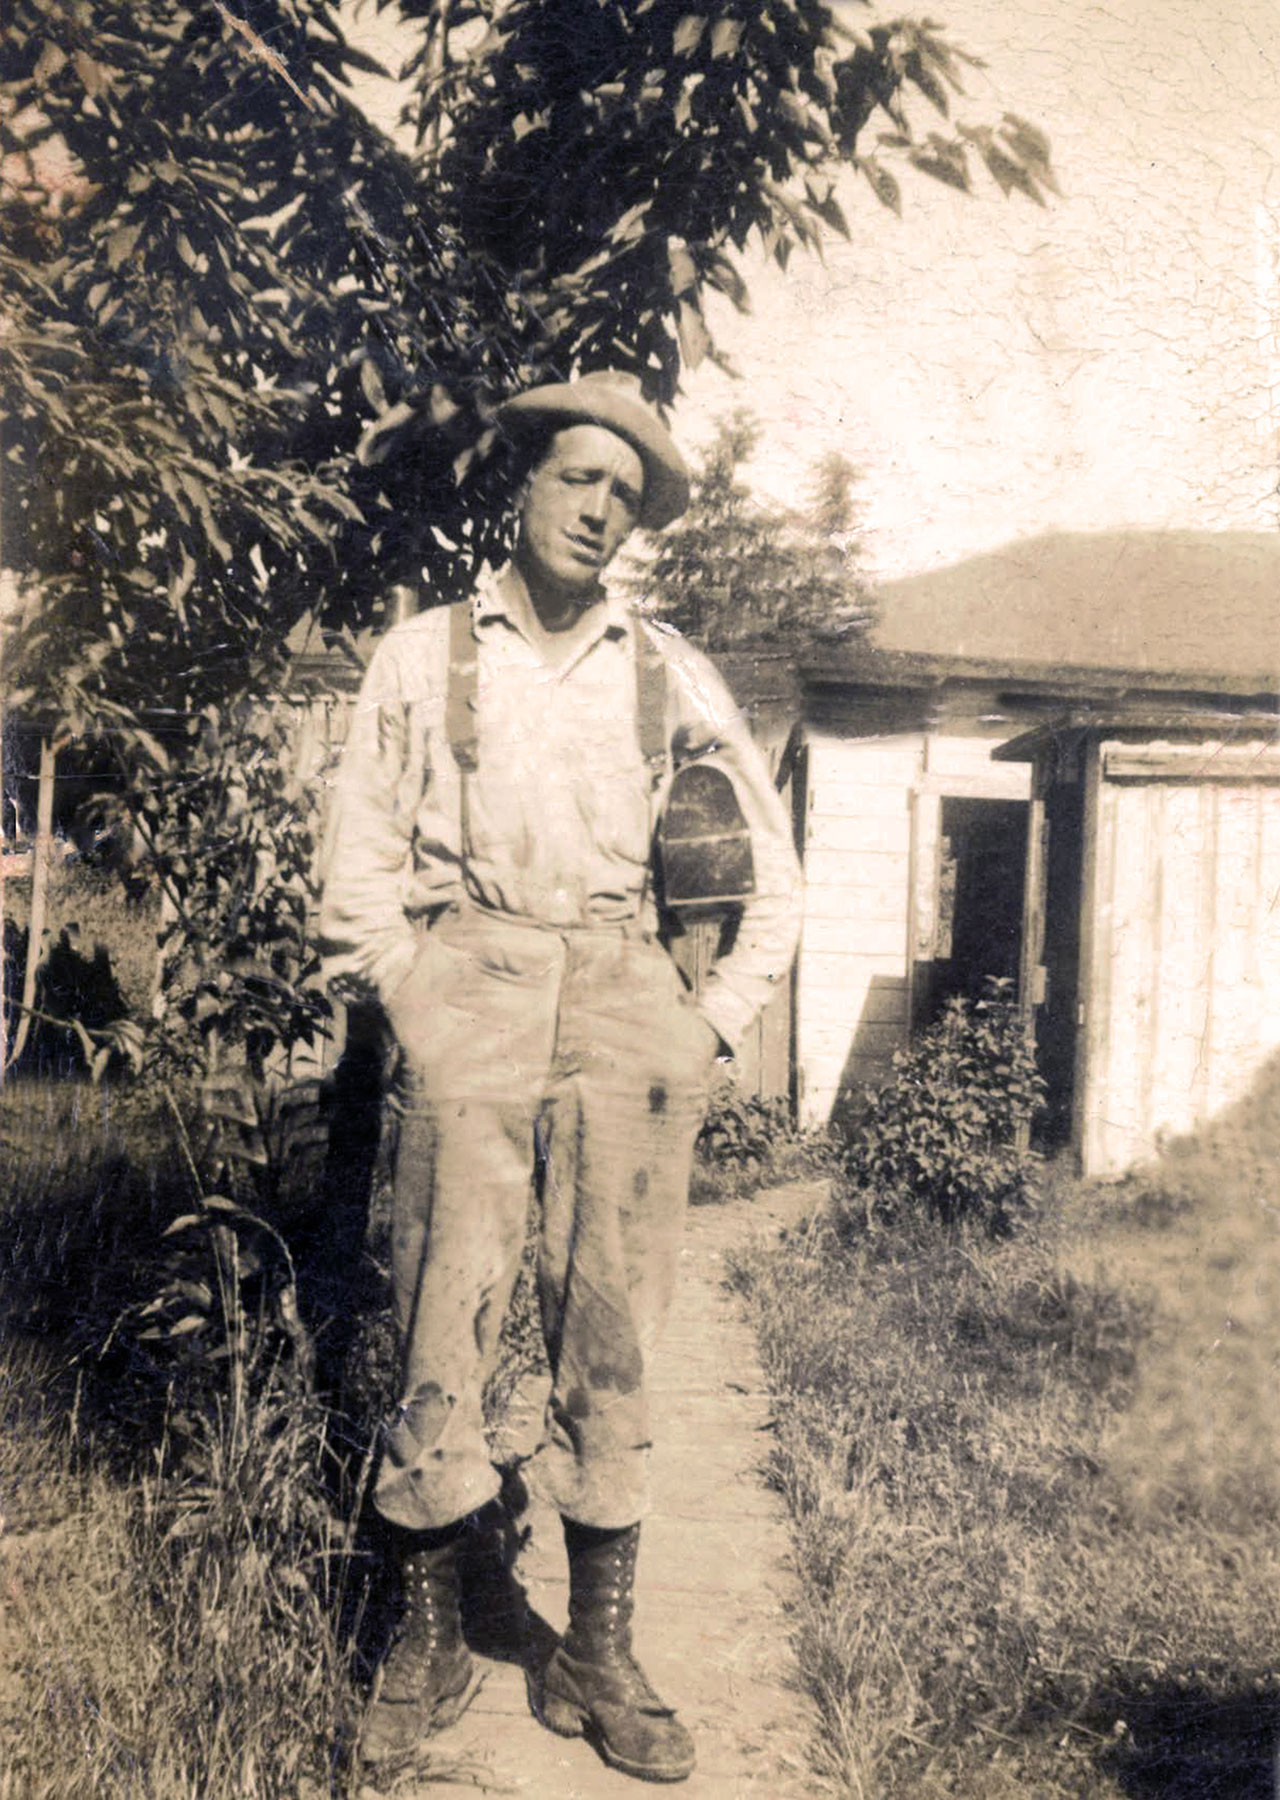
(691,330)
(688,34)
(827,207)
(726,35)
(1026,140)
(51,58)
(724,277)
(371,381)
(180,585)
(441,406)
(923,78)
(185,1326)
(311,523)
(152,745)
(630,228)
(1009,174)
(120,244)
(375,443)
(951,169)
(91,73)
(801,116)
(824,64)
(884,185)
(684,273)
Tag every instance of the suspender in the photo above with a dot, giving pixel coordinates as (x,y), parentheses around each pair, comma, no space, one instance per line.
(460,697)
(703,840)
(460,700)
(651,706)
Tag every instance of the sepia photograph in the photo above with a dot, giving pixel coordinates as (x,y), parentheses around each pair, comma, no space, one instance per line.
(640,880)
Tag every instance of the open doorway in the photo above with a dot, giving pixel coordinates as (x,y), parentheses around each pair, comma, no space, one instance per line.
(981,874)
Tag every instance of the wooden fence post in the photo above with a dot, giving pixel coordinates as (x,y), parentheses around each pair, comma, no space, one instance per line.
(40,857)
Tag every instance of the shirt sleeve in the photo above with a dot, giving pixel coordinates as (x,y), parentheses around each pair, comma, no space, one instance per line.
(707,719)
(365,859)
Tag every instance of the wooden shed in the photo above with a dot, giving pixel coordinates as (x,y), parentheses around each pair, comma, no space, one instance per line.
(1151,952)
(1078,730)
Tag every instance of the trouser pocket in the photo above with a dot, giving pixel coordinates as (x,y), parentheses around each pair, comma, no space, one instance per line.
(410,1003)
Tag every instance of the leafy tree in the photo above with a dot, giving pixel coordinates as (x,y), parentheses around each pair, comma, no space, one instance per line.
(737,569)
(253,351)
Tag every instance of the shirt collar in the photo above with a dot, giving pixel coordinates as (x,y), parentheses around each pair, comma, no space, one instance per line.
(501,595)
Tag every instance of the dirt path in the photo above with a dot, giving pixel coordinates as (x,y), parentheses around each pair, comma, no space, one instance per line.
(711,1629)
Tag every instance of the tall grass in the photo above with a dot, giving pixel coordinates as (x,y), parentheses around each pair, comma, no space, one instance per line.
(1012,1583)
(187,1593)
(178,1635)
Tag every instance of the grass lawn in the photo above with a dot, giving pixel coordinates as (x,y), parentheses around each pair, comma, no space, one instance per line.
(1035,1485)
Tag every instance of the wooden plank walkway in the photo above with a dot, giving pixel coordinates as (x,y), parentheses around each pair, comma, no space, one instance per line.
(711,1624)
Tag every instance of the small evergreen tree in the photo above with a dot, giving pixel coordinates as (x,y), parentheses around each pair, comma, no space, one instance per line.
(738,569)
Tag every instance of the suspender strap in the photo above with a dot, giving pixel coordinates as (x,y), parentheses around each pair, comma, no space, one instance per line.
(460,701)
(651,704)
(460,724)
(460,695)
(463,682)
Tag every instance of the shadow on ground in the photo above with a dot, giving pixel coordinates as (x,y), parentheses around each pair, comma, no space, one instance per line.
(1187,1744)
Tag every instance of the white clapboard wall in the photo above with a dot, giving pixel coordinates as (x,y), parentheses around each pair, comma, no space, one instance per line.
(1180,994)
(871,860)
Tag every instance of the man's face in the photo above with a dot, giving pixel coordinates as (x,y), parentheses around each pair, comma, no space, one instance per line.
(580,503)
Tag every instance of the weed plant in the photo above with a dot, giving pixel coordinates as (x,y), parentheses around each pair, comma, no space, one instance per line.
(1010,1585)
(748,1142)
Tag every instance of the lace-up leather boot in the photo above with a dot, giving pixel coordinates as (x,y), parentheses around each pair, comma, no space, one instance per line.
(428,1676)
(593,1686)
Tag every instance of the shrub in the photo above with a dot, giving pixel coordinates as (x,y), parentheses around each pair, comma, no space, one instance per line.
(98,965)
(743,1130)
(946,1133)
(748,1142)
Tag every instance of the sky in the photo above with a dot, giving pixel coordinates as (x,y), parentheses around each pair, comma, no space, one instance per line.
(997,370)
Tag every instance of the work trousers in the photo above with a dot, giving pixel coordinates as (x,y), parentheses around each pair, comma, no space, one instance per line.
(584,1048)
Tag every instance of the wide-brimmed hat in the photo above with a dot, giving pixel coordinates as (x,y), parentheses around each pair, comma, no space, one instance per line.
(612,399)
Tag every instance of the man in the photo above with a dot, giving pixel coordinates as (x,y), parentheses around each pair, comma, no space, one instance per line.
(488,874)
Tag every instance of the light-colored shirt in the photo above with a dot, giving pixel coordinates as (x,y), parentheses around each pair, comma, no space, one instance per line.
(561,808)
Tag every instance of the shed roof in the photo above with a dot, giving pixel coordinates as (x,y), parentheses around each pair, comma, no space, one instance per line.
(1156,603)
(1245,730)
